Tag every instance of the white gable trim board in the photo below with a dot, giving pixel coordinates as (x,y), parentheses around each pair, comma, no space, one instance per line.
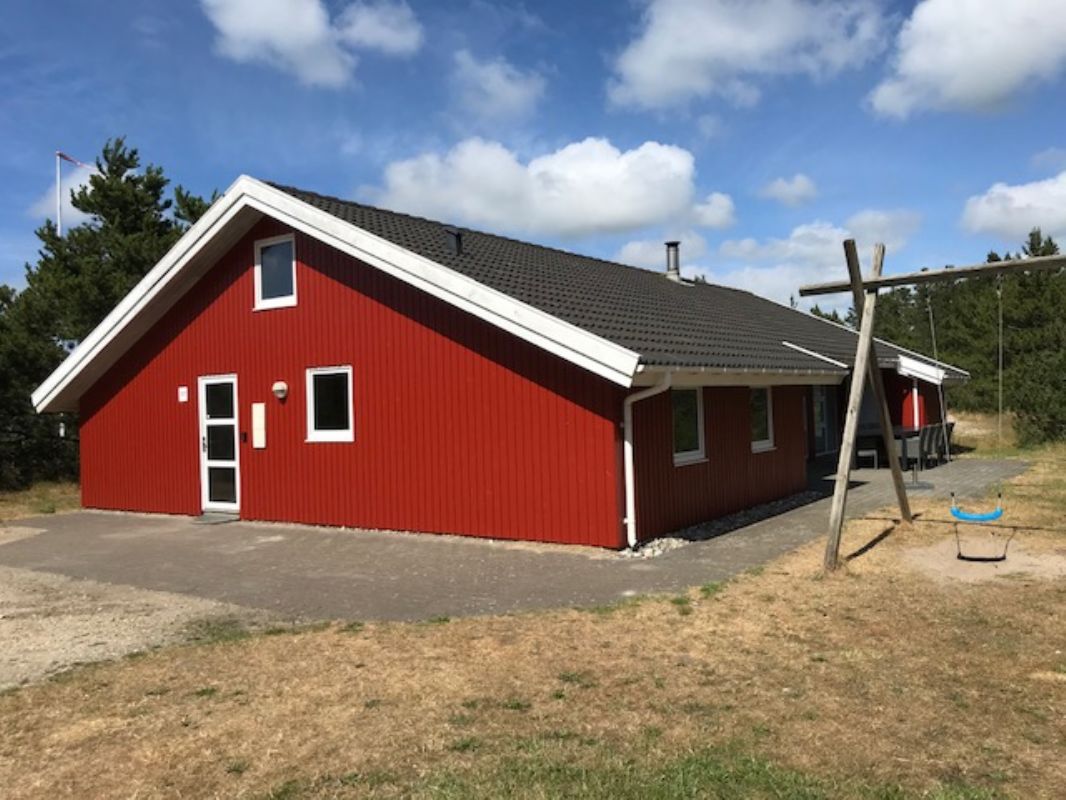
(591,352)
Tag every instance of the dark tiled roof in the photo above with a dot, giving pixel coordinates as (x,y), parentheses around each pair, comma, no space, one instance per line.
(667,323)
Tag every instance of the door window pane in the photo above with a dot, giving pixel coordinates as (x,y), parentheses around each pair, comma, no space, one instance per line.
(331,401)
(275,271)
(219,400)
(222,484)
(220,444)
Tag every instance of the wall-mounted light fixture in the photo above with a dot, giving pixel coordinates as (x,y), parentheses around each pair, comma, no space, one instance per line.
(280,389)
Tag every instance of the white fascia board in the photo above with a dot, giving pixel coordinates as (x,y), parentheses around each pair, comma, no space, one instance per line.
(814,354)
(587,350)
(591,352)
(923,371)
(887,343)
(221,212)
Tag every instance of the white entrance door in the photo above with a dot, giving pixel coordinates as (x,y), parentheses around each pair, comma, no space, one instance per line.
(220,477)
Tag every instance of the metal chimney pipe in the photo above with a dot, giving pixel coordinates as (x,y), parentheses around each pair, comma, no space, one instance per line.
(455,240)
(673,261)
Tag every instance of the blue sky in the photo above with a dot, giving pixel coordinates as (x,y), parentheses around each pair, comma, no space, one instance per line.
(760,133)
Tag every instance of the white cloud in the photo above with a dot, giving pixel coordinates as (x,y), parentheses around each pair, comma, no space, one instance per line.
(892,228)
(709,126)
(44,207)
(388,27)
(793,191)
(717,211)
(298,36)
(811,253)
(972,55)
(651,253)
(583,188)
(1012,211)
(1050,159)
(691,49)
(496,89)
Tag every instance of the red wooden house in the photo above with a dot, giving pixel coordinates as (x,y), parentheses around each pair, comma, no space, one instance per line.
(306,359)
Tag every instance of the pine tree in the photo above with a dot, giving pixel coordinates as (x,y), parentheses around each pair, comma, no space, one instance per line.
(1035,346)
(75,283)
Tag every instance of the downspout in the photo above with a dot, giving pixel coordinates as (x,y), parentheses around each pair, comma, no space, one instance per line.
(627,453)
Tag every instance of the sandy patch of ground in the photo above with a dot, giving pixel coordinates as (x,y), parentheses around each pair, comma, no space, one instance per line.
(49,623)
(940,561)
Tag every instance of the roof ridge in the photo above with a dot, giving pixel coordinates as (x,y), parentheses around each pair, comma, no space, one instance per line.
(570,253)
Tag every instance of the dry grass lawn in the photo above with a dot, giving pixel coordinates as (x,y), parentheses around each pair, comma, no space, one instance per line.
(43,498)
(984,435)
(882,681)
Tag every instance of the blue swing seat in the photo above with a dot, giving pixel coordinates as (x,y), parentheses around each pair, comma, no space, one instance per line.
(968,516)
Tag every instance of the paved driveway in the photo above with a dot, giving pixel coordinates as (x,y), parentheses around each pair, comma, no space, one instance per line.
(309,573)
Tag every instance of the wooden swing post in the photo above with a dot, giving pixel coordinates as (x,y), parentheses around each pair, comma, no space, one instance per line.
(864,293)
(863,365)
(877,383)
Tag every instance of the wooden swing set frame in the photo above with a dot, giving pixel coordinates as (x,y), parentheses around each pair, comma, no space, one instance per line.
(864,295)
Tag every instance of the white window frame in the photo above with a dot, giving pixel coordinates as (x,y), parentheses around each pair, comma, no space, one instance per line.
(686,457)
(764,445)
(314,435)
(285,301)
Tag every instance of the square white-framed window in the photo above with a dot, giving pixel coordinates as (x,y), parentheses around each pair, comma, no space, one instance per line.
(687,412)
(330,415)
(762,419)
(275,272)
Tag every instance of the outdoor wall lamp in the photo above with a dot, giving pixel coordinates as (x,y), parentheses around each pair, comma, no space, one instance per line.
(280,389)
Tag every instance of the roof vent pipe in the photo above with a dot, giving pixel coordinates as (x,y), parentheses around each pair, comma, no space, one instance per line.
(455,240)
(673,261)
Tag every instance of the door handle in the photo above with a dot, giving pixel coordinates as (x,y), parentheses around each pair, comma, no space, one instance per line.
(203,443)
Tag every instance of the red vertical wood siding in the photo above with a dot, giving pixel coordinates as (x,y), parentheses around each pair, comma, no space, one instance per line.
(459,427)
(732,478)
(901,400)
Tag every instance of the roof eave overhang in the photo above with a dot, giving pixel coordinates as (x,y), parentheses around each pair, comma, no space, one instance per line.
(687,376)
(248,200)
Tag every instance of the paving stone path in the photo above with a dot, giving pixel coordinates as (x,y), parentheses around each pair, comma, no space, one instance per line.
(318,573)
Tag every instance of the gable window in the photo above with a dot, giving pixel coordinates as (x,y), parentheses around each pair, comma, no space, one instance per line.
(329,405)
(275,272)
(762,420)
(688,425)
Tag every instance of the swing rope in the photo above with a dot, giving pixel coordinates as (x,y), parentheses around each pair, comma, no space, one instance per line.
(960,515)
(999,414)
(939,386)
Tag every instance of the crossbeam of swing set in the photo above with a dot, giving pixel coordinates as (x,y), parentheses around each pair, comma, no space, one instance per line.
(1040,263)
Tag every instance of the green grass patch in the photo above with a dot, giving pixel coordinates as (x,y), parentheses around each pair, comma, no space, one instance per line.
(468,744)
(216,630)
(724,774)
(607,609)
(683,604)
(286,791)
(516,704)
(710,589)
(582,680)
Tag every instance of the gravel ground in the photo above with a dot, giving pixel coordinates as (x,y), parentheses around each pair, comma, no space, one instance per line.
(49,623)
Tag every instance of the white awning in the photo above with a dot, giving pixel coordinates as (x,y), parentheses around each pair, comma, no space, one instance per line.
(923,371)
